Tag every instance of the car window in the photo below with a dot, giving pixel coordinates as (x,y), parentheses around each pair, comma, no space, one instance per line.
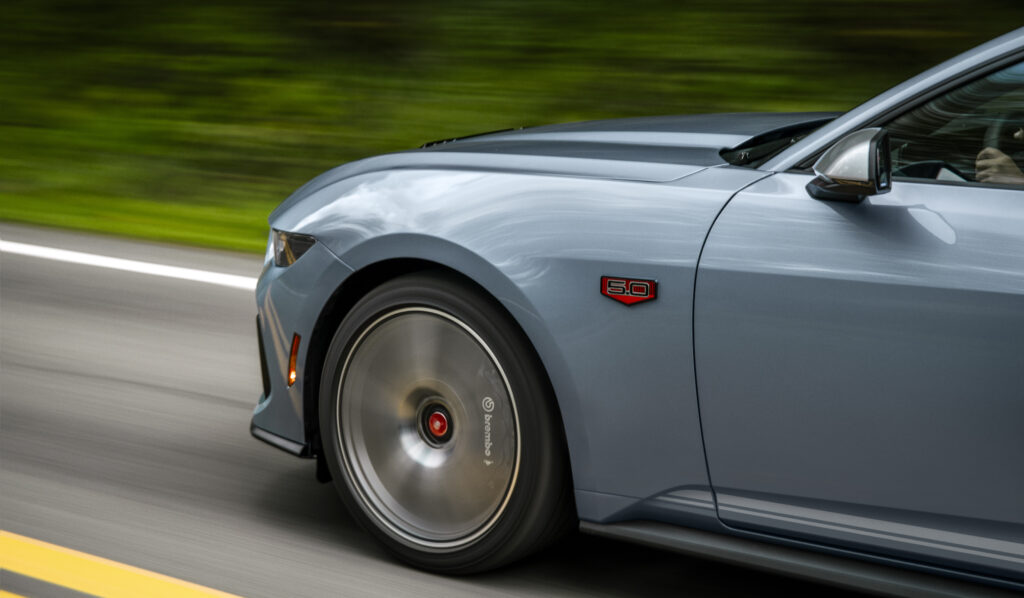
(974,133)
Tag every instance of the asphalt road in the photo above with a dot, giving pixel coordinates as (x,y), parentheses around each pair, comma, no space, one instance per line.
(124,433)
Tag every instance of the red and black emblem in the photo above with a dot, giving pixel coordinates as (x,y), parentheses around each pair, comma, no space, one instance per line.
(629,290)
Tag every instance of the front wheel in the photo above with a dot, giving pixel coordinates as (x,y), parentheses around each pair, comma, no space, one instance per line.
(439,427)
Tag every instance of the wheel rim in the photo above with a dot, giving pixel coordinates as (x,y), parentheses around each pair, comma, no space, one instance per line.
(428,428)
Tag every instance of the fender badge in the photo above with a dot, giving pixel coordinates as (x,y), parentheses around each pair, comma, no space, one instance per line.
(629,290)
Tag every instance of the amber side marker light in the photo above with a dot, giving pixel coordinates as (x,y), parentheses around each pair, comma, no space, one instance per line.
(291,360)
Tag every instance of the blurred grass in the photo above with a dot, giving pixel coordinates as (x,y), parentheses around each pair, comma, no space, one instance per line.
(189,121)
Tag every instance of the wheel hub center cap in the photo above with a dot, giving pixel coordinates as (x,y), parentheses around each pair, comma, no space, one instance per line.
(437,423)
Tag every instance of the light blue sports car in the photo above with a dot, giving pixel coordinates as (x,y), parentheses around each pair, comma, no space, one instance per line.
(794,341)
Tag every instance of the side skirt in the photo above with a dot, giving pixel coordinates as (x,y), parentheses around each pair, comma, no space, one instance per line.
(795,562)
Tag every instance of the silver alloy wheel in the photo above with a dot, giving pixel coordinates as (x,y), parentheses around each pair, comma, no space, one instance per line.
(410,370)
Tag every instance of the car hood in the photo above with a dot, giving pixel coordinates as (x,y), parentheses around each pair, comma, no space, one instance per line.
(651,149)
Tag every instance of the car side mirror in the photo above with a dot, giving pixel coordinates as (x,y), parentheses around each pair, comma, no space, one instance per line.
(857,166)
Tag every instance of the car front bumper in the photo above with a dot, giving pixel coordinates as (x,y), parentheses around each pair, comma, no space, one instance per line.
(289,302)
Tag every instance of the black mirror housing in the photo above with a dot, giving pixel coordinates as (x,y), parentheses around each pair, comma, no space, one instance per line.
(858,165)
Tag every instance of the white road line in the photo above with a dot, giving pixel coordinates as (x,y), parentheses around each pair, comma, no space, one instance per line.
(102,261)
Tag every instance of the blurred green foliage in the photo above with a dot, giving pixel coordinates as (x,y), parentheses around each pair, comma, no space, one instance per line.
(190,120)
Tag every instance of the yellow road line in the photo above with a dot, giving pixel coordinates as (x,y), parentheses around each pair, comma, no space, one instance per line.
(4,594)
(91,574)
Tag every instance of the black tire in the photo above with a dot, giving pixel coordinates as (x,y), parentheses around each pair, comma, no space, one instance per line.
(490,483)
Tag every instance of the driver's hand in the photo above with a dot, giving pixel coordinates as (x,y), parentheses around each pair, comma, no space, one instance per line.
(993,166)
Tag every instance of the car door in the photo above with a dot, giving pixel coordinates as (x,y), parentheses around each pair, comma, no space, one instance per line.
(860,366)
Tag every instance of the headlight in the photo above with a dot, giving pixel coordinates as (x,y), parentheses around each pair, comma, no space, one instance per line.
(289,247)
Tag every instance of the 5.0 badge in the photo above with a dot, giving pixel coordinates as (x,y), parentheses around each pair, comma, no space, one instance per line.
(629,290)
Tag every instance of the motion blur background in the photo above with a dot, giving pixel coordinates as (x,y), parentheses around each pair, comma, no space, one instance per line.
(190,120)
